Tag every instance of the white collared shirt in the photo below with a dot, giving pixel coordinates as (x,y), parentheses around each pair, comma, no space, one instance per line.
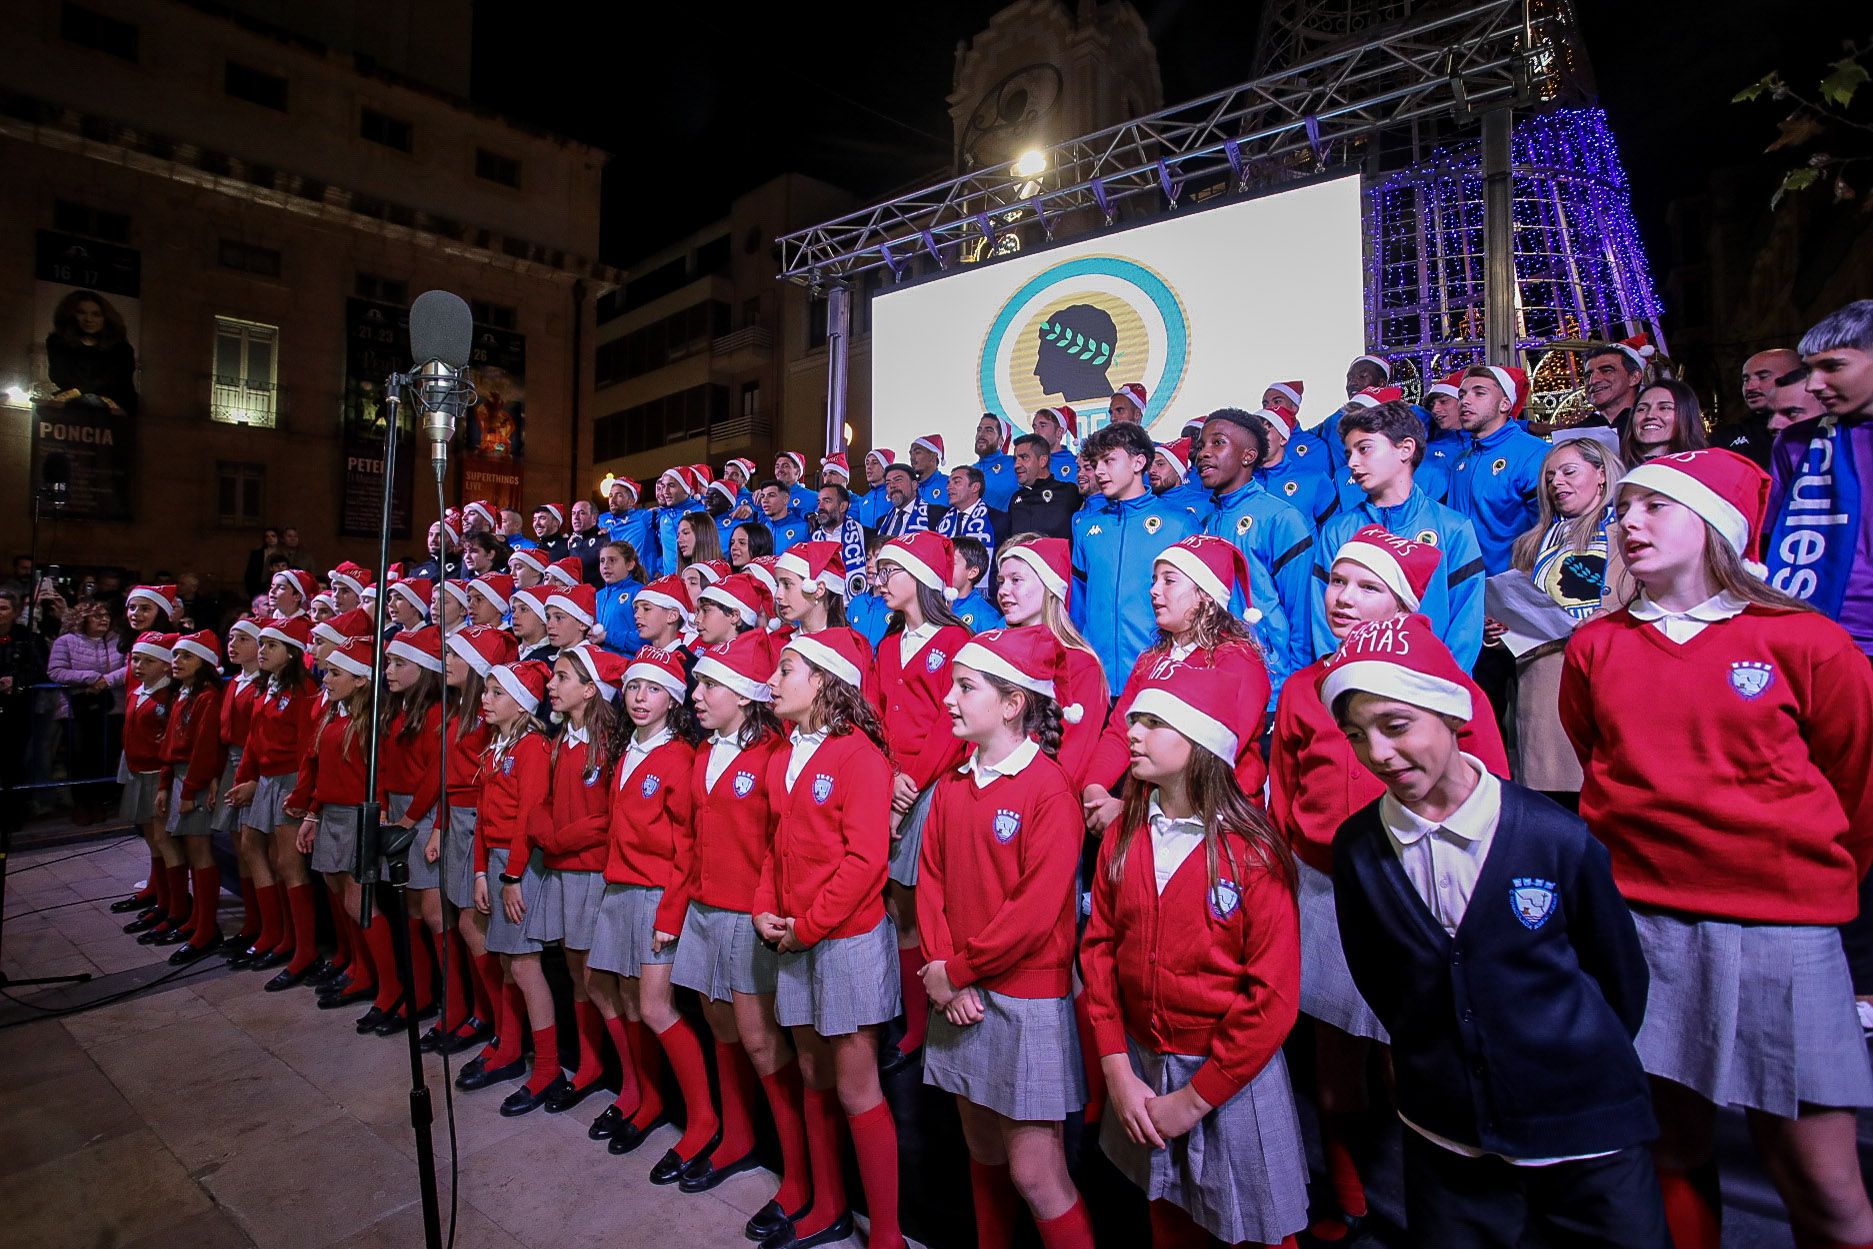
(1443,859)
(1010,764)
(1182,650)
(577,737)
(245,679)
(722,752)
(1684,625)
(145,691)
(636,751)
(804,744)
(912,640)
(1172,841)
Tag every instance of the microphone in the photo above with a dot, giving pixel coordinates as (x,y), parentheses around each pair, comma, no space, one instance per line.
(441,334)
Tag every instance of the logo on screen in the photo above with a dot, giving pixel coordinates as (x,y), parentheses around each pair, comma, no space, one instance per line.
(1076,332)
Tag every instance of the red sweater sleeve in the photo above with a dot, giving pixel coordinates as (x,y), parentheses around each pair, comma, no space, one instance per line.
(865,814)
(303,799)
(679,807)
(765,896)
(1839,729)
(1085,689)
(1575,701)
(1112,754)
(1259,1017)
(941,751)
(1099,963)
(425,751)
(206,756)
(1028,916)
(933,929)
(1284,765)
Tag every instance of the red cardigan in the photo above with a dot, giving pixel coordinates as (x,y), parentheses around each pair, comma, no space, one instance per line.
(1315,782)
(995,884)
(465,751)
(730,827)
(1086,688)
(650,814)
(910,703)
(333,773)
(280,732)
(1214,974)
(237,709)
(573,836)
(146,721)
(193,741)
(831,853)
(514,787)
(1236,664)
(409,767)
(1730,775)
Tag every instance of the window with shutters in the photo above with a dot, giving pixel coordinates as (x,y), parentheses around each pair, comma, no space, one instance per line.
(244,385)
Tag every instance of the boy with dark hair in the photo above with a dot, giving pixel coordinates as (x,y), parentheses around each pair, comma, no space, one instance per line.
(972,607)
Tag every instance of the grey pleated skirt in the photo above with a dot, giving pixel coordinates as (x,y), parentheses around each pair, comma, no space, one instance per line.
(909,844)
(458,859)
(1327,989)
(621,937)
(197,823)
(335,846)
(841,984)
(423,873)
(568,908)
(267,810)
(1022,1060)
(1241,1173)
(138,804)
(720,955)
(227,819)
(505,937)
(1754,1015)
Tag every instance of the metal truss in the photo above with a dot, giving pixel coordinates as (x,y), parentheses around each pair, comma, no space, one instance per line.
(1300,120)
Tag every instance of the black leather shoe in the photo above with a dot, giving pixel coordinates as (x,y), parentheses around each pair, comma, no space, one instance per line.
(895,1060)
(478,1075)
(172,936)
(324,974)
(606,1126)
(702,1174)
(191,952)
(473,1032)
(428,1042)
(628,1138)
(838,1230)
(393,1022)
(670,1167)
(269,959)
(571,1097)
(524,1100)
(130,905)
(146,919)
(368,1021)
(286,978)
(237,952)
(770,1219)
(347,997)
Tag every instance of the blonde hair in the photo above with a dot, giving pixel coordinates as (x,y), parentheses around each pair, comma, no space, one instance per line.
(1054,612)
(1581,529)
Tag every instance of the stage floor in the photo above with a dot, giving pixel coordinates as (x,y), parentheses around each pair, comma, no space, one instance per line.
(204,1112)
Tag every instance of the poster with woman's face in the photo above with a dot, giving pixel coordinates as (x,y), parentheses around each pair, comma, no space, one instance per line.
(86,299)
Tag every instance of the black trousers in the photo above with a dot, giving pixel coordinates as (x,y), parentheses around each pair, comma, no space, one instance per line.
(1454,1202)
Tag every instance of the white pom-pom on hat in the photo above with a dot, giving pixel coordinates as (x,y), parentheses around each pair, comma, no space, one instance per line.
(1073,713)
(949,594)
(595,634)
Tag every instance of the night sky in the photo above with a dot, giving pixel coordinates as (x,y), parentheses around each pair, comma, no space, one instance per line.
(699,102)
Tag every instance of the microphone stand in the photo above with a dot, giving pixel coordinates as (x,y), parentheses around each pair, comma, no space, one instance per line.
(396,869)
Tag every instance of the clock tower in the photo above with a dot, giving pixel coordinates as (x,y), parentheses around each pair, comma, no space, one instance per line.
(1047,70)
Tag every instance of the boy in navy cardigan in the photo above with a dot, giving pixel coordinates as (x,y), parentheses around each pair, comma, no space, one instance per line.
(1481,924)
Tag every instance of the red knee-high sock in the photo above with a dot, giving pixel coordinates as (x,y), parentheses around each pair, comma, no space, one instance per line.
(159,884)
(341,932)
(422,965)
(250,911)
(153,883)
(270,899)
(1074,1230)
(823,1117)
(206,925)
(510,1023)
(384,959)
(734,1077)
(287,926)
(458,995)
(485,984)
(1692,1213)
(620,1032)
(178,877)
(783,1100)
(692,1077)
(916,1001)
(649,1074)
(1089,1060)
(545,1058)
(874,1140)
(1336,1134)
(363,970)
(305,935)
(591,1043)
(997,1204)
(1172,1228)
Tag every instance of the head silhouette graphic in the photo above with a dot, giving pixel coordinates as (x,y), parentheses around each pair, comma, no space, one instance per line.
(1077,346)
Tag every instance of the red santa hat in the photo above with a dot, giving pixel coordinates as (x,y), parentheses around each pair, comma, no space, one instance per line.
(1218,567)
(1401,659)
(354,655)
(356,623)
(659,667)
(1403,565)
(297,578)
(725,490)
(818,565)
(1729,492)
(1006,426)
(743,596)
(326,599)
(452,532)
(1373,396)
(556,510)
(933,443)
(416,590)
(745,665)
(839,653)
(1514,383)
(669,592)
(422,647)
(158,646)
(203,644)
(484,647)
(578,601)
(710,570)
(1281,422)
(1451,386)
(1177,455)
(496,587)
(1380,362)
(250,627)
(927,556)
(532,557)
(1209,712)
(836,466)
(1638,349)
(1052,561)
(485,509)
(761,568)
(351,577)
(600,667)
(1291,391)
(1029,656)
(798,460)
(295,631)
(1135,391)
(1068,418)
(679,477)
(630,485)
(743,466)
(885,456)
(456,589)
(525,683)
(700,475)
(533,599)
(568,571)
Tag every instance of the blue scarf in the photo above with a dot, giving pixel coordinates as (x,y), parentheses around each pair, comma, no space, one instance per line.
(1811,547)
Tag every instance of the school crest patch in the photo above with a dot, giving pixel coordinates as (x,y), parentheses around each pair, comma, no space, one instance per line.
(1426,536)
(1047,496)
(1533,900)
(1750,678)
(281,702)
(935,660)
(590,778)
(1243,523)
(744,784)
(1153,524)
(1289,487)
(822,788)
(507,766)
(1224,898)
(1301,450)
(649,786)
(1007,824)
(1498,466)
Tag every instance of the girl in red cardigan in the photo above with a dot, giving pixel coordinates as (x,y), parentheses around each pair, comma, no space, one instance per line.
(409,733)
(238,699)
(913,676)
(995,907)
(1192,963)
(1315,784)
(1036,584)
(640,915)
(148,609)
(151,690)
(732,606)
(819,905)
(1724,730)
(661,611)
(573,837)
(810,586)
(718,865)
(192,758)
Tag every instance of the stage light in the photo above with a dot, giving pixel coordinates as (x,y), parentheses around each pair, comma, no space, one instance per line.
(1030,164)
(848,432)
(604,487)
(18,396)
